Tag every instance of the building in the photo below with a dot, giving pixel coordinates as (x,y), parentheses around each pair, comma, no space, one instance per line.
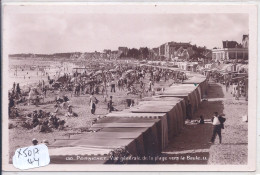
(229,54)
(172,50)
(156,51)
(245,41)
(231,51)
(123,50)
(107,51)
(230,44)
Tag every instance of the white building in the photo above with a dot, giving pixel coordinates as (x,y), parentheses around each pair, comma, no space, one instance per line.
(232,50)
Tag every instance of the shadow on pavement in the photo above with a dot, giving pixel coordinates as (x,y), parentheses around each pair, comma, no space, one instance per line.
(215,91)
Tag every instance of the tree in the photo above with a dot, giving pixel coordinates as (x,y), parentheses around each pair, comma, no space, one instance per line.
(185,55)
(122,55)
(144,52)
(133,53)
(198,52)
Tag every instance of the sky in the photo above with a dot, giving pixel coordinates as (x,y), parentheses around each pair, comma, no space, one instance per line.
(48,33)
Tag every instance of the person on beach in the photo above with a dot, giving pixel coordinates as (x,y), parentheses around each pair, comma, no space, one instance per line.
(18,89)
(201,120)
(141,84)
(70,112)
(77,89)
(34,141)
(11,103)
(218,124)
(150,85)
(44,89)
(37,100)
(237,95)
(31,96)
(119,84)
(113,86)
(227,85)
(93,102)
(110,105)
(234,86)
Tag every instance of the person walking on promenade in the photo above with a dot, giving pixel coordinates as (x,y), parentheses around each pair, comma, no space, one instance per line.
(227,85)
(237,95)
(93,102)
(218,124)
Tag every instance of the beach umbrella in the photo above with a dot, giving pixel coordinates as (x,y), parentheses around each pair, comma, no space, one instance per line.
(72,80)
(112,70)
(129,71)
(98,72)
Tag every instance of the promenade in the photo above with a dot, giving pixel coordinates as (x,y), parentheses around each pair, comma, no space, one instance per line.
(193,142)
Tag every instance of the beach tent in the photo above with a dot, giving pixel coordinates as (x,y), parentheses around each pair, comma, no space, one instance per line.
(199,80)
(137,136)
(128,116)
(181,106)
(185,91)
(171,109)
(121,135)
(149,134)
(149,142)
(34,92)
(101,146)
(92,142)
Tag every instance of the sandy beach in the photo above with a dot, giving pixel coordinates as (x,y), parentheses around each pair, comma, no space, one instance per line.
(20,136)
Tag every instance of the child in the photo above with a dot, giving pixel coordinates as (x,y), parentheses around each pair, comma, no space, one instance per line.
(201,120)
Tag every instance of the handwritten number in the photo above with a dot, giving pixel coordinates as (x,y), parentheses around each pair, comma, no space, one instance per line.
(31,156)
(24,152)
(29,153)
(30,161)
(37,151)
(38,160)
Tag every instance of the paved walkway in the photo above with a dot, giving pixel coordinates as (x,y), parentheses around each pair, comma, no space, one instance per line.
(192,146)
